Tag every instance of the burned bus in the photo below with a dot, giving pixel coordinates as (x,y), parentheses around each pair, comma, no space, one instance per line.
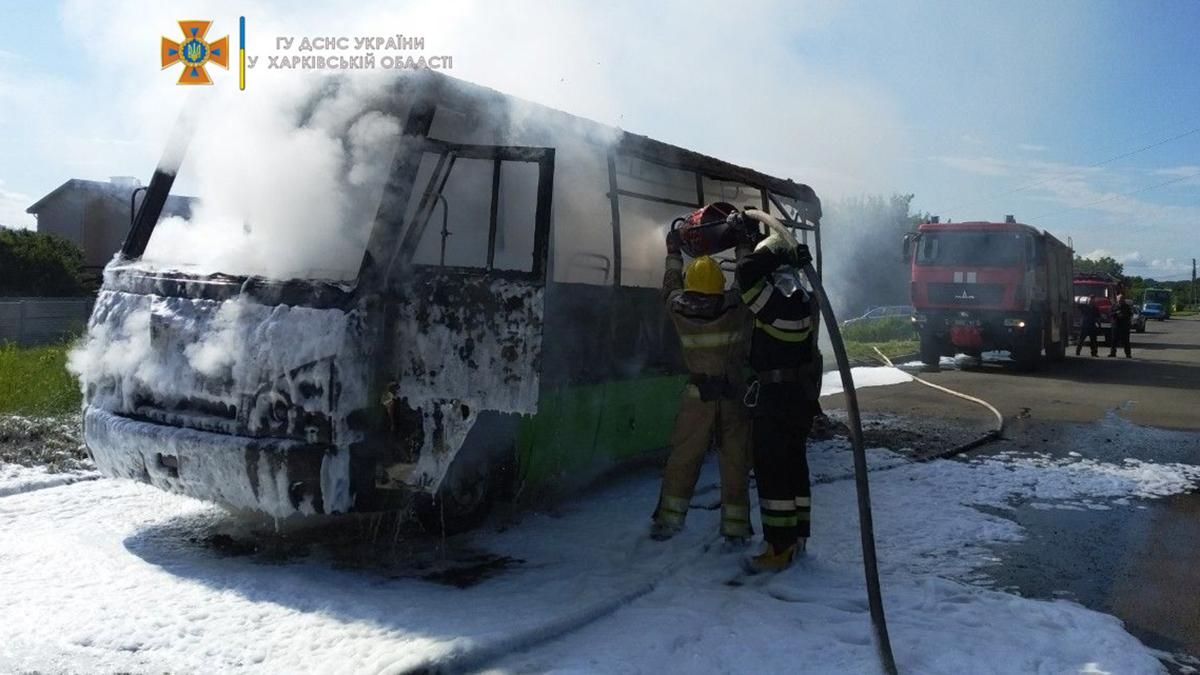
(494,330)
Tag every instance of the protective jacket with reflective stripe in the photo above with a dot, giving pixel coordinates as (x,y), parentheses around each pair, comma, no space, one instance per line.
(784,327)
(714,331)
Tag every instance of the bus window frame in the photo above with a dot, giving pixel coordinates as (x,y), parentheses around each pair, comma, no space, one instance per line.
(768,197)
(447,154)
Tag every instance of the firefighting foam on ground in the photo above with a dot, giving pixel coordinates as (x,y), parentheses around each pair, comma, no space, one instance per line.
(425,369)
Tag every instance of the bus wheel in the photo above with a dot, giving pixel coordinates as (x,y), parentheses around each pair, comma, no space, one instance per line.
(462,502)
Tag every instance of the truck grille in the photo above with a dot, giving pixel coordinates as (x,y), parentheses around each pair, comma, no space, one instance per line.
(966,295)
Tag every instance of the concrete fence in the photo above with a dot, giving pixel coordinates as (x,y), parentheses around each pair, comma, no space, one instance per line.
(37,321)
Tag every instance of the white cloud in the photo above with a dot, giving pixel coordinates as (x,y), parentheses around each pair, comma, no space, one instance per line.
(12,209)
(1031,147)
(1186,170)
(1137,264)
(602,61)
(984,166)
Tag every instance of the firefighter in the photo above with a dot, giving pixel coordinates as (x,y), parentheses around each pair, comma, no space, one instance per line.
(1089,325)
(714,331)
(783,353)
(1122,320)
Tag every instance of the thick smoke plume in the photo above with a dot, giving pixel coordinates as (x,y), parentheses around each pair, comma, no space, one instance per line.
(287,187)
(863,258)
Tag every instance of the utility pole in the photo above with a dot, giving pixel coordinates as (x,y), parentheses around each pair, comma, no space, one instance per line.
(1193,282)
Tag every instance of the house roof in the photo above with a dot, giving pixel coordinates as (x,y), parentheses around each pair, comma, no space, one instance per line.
(118,192)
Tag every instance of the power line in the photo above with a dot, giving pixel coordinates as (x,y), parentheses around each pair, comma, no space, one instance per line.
(1064,174)
(1110,198)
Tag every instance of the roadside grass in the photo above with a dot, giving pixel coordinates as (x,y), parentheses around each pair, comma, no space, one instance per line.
(863,352)
(879,330)
(34,381)
(893,336)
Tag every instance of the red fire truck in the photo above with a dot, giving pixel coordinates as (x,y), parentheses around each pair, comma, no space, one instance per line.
(982,286)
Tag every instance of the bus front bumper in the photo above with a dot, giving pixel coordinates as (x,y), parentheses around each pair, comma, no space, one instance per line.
(276,477)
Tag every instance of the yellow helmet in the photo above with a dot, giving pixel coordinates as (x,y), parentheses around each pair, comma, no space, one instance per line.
(704,275)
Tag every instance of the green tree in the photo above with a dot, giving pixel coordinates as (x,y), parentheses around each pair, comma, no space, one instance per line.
(36,264)
(1105,264)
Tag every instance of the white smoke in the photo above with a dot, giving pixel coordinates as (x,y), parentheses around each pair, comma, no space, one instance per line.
(280,195)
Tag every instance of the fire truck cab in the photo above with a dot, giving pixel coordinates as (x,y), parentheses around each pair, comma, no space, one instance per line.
(986,286)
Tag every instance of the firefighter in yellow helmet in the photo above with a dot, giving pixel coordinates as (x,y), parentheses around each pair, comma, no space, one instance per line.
(714,332)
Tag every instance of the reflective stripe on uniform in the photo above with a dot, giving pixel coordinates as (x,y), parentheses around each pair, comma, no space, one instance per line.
(669,517)
(750,294)
(735,528)
(790,324)
(803,502)
(736,513)
(735,520)
(760,300)
(673,504)
(780,521)
(783,334)
(709,340)
(777,504)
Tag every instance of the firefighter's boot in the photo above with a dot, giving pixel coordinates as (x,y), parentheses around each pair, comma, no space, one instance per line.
(773,559)
(662,531)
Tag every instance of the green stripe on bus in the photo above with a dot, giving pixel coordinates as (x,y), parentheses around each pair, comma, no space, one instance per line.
(581,430)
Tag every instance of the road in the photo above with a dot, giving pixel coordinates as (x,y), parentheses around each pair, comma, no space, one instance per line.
(1159,386)
(1130,560)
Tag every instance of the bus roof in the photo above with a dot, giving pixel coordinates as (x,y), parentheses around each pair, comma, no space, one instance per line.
(441,87)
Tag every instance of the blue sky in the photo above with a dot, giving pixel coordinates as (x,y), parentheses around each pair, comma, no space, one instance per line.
(978,108)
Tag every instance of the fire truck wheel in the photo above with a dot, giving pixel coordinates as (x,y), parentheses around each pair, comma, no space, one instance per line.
(1056,351)
(931,351)
(1028,352)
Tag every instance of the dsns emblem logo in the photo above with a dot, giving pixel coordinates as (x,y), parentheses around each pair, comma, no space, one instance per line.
(195,52)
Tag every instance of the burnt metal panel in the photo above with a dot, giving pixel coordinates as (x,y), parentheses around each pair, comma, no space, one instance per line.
(615,207)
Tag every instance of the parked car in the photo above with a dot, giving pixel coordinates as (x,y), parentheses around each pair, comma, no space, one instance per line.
(884,312)
(1139,319)
(1153,310)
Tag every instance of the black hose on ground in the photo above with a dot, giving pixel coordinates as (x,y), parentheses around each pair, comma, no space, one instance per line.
(866,527)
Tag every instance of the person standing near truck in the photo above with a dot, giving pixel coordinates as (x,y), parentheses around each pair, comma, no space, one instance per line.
(1089,325)
(714,332)
(1122,321)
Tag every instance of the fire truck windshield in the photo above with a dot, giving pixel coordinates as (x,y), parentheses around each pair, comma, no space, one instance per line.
(995,249)
(1091,290)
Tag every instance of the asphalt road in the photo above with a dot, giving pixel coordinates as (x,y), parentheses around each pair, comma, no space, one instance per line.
(1139,562)
(1159,386)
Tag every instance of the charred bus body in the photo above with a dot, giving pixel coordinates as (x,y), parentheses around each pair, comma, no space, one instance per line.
(502,332)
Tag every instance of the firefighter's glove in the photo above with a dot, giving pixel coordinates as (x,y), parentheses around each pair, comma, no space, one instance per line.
(801,256)
(745,229)
(674,242)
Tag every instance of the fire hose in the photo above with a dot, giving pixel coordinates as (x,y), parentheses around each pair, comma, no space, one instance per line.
(883,644)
